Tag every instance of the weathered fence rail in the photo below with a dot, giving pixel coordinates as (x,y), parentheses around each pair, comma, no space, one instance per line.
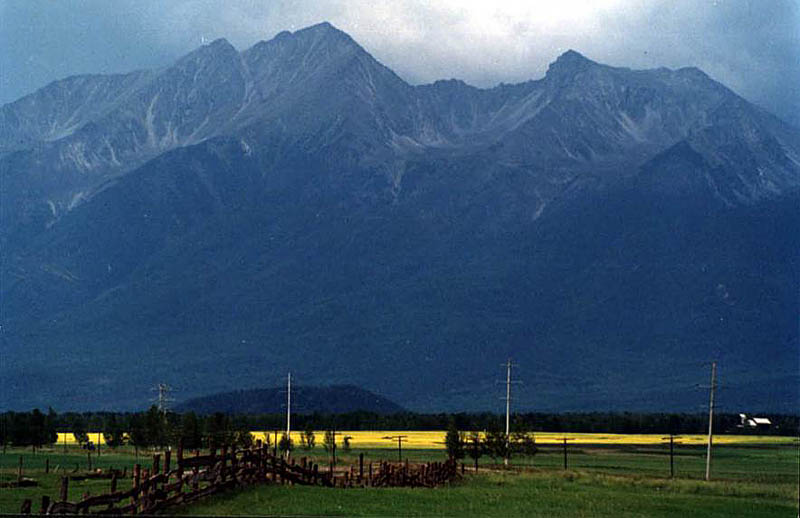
(155,489)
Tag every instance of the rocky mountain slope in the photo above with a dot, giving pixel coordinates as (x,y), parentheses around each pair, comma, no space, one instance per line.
(297,205)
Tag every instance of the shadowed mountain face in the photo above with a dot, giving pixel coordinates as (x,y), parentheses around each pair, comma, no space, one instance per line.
(297,206)
(337,399)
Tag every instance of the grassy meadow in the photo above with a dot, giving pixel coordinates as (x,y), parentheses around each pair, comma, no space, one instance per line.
(601,481)
(575,493)
(605,477)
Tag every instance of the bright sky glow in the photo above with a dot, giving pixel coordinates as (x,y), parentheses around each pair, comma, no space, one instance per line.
(752,46)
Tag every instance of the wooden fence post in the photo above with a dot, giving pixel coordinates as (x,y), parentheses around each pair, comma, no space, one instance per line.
(47,465)
(146,489)
(19,471)
(222,465)
(135,478)
(179,461)
(156,463)
(45,504)
(167,459)
(64,493)
(234,461)
(26,506)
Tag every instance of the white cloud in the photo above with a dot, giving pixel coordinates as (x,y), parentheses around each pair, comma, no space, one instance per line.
(751,45)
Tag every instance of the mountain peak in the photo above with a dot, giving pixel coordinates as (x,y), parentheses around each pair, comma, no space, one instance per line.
(321,26)
(572,56)
(569,62)
(323,30)
(220,43)
(306,37)
(217,48)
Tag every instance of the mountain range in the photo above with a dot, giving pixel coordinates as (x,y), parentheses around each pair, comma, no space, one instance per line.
(299,207)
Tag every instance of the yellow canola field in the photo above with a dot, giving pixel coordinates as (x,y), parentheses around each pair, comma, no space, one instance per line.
(374,439)
(435,439)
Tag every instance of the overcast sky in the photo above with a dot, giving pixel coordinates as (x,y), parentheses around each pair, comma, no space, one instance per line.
(752,46)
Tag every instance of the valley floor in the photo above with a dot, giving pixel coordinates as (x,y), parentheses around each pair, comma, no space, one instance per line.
(527,493)
(601,480)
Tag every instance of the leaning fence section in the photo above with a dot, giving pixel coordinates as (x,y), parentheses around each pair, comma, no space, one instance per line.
(163,485)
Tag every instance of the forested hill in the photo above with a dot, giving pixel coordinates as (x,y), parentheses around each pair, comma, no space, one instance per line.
(305,400)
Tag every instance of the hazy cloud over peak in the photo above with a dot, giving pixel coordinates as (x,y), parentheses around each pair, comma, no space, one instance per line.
(752,46)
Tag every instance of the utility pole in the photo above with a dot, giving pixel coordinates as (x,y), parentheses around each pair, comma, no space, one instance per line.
(672,443)
(508,366)
(671,456)
(711,419)
(162,402)
(288,412)
(163,399)
(333,448)
(564,440)
(288,404)
(400,439)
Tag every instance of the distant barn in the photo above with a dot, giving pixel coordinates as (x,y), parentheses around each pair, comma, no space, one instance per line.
(754,423)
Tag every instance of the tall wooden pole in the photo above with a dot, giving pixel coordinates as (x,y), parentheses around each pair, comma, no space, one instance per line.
(508,410)
(671,457)
(711,419)
(333,450)
(400,448)
(288,412)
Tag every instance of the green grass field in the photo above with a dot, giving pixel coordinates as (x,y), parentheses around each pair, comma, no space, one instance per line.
(601,481)
(530,493)
(60,463)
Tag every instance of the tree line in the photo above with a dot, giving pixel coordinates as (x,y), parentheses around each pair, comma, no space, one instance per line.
(156,428)
(33,428)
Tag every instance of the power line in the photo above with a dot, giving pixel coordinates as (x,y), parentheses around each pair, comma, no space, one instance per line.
(162,400)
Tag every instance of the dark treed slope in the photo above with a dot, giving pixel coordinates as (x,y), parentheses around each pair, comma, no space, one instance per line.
(299,206)
(336,399)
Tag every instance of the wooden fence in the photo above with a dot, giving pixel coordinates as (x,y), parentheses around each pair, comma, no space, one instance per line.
(155,489)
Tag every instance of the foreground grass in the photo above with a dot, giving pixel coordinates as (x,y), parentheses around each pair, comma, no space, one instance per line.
(527,493)
(601,481)
(60,463)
